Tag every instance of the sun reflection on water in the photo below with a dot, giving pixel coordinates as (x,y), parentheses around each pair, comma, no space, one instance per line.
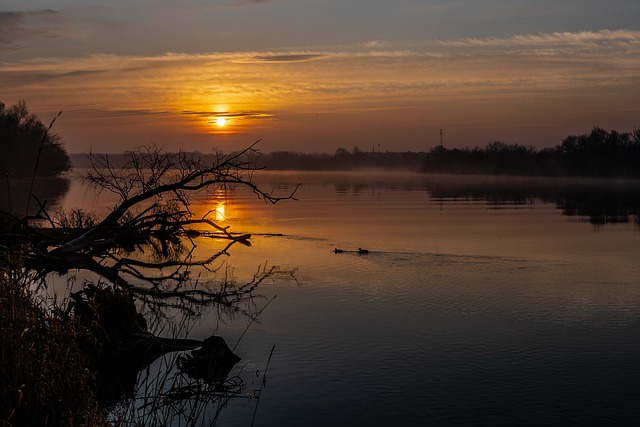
(220,210)
(216,206)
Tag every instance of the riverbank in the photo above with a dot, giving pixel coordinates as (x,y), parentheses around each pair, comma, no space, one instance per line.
(43,375)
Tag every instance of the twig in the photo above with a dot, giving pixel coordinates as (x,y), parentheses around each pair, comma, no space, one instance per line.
(253,319)
(35,167)
(264,381)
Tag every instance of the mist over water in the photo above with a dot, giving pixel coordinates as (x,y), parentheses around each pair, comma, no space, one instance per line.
(483,301)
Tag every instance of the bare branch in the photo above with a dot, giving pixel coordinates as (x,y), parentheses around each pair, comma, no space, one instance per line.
(165,181)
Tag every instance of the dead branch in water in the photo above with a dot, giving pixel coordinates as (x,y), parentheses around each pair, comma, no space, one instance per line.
(152,217)
(161,185)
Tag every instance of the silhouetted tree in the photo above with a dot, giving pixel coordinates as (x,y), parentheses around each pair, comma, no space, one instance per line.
(601,153)
(22,137)
(341,151)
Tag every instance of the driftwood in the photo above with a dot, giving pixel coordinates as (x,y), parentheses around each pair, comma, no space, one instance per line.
(117,344)
(211,362)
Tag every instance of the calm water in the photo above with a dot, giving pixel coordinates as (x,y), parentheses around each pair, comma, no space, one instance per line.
(482,301)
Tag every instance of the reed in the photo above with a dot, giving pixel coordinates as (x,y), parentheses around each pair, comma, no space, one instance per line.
(43,378)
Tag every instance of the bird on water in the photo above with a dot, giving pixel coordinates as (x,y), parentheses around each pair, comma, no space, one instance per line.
(360,251)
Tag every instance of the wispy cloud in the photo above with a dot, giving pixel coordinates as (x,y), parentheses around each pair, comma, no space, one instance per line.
(561,42)
(18,78)
(248,79)
(17,27)
(430,64)
(291,57)
(247,3)
(248,115)
(115,112)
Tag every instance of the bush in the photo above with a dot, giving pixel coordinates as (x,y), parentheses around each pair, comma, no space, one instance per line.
(24,139)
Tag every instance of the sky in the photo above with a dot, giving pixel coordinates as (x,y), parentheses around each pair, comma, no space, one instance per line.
(317,75)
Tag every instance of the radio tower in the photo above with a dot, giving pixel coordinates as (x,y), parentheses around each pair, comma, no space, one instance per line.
(440,137)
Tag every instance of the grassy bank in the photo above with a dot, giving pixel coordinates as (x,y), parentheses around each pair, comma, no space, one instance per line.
(43,380)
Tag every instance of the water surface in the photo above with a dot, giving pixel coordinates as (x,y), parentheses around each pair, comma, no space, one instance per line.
(482,301)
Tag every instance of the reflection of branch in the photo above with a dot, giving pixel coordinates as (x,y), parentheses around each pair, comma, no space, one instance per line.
(128,262)
(170,396)
(150,281)
(199,388)
(117,344)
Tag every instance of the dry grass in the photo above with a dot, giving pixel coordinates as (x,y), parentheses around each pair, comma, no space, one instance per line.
(43,379)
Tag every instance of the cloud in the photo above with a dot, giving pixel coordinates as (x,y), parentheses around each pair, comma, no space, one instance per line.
(22,78)
(108,113)
(258,88)
(375,44)
(560,42)
(17,27)
(247,3)
(286,58)
(243,115)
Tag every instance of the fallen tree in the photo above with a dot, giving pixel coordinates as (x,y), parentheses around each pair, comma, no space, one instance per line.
(160,184)
(154,189)
(153,217)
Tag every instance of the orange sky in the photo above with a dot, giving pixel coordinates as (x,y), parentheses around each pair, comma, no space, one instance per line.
(317,93)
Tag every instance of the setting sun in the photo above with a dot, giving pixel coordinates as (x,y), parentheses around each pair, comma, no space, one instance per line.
(221,121)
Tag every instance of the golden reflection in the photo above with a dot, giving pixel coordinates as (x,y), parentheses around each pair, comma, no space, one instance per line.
(219,211)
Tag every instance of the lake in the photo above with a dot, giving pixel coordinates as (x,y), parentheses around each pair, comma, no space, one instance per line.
(482,300)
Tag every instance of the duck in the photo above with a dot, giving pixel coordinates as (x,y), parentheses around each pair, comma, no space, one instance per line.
(338,251)
(362,251)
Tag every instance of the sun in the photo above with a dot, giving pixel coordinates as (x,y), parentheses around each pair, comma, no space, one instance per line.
(221,121)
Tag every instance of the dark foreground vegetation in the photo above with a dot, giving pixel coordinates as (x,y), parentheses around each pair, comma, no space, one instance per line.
(77,363)
(599,154)
(43,380)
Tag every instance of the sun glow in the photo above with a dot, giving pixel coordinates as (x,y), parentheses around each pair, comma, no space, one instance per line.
(221,121)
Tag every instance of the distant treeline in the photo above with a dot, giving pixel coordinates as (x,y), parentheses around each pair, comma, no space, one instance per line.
(597,154)
(601,153)
(343,160)
(290,160)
